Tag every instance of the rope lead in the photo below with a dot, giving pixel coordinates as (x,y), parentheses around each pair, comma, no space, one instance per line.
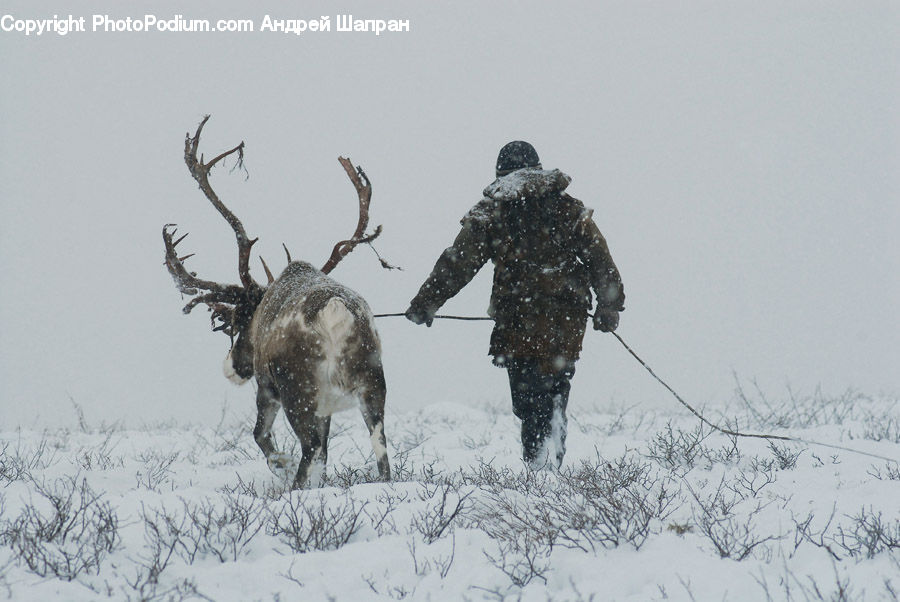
(436,317)
(731,433)
(700,416)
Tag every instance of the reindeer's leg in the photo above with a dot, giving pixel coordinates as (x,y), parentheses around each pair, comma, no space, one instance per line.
(301,414)
(267,405)
(266,409)
(323,424)
(373,414)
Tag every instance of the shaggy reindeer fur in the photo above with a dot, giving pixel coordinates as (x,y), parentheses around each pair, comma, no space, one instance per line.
(314,351)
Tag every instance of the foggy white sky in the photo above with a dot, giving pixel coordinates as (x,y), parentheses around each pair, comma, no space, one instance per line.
(742,160)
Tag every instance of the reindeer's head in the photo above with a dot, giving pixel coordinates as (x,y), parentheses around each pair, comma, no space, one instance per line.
(232,306)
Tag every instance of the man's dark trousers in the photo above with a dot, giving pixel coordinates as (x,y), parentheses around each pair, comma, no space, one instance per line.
(536,397)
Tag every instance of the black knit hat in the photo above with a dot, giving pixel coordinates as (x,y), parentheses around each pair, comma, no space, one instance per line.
(516,155)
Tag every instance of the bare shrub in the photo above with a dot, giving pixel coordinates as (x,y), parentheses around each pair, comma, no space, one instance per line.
(600,504)
(72,539)
(524,535)
(610,504)
(733,536)
(380,516)
(408,438)
(818,462)
(785,457)
(486,476)
(882,427)
(156,470)
(437,518)
(266,491)
(11,468)
(395,592)
(799,411)
(761,464)
(805,533)
(791,587)
(676,448)
(891,472)
(522,556)
(290,576)
(161,539)
(309,522)
(222,530)
(430,473)
(750,483)
(727,454)
(403,469)
(483,439)
(141,589)
(868,534)
(228,442)
(4,568)
(618,419)
(17,464)
(522,525)
(79,414)
(100,456)
(346,476)
(439,564)
(597,504)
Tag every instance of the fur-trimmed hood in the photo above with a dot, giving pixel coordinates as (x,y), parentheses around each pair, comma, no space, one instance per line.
(529,182)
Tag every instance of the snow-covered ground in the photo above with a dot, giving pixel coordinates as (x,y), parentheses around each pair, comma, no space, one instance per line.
(648,506)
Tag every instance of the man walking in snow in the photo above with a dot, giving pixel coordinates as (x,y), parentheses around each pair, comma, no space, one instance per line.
(548,255)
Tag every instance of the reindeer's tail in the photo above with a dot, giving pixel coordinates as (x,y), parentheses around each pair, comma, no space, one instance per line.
(335,323)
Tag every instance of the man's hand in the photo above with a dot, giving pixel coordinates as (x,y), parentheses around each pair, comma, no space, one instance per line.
(606,320)
(419,315)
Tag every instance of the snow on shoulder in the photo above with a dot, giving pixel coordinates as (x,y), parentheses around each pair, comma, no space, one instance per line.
(530,182)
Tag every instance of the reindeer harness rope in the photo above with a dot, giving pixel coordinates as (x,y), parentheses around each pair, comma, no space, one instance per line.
(700,416)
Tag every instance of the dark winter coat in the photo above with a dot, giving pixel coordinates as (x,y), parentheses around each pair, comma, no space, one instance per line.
(548,255)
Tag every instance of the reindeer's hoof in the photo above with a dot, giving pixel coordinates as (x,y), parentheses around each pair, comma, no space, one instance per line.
(283,466)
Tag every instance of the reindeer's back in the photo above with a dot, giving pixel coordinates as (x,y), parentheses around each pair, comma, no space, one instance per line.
(314,331)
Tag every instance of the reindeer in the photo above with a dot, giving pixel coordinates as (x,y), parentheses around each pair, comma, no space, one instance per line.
(309,341)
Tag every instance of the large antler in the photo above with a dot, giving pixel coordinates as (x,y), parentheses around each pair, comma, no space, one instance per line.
(364,191)
(222,299)
(200,171)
